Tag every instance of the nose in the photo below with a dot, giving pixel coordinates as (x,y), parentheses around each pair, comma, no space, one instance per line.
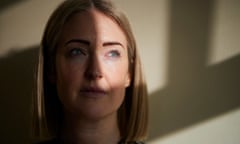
(93,71)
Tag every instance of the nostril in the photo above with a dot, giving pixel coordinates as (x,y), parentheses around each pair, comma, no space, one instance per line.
(97,74)
(93,75)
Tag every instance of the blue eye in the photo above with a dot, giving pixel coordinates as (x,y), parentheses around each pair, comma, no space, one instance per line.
(114,53)
(77,52)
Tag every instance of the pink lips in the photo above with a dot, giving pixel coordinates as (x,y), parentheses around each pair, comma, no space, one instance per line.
(92,92)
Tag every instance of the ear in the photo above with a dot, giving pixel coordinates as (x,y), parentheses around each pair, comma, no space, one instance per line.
(128,80)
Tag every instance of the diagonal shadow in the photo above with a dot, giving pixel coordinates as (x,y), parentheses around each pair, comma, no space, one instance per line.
(16,87)
(7,3)
(195,92)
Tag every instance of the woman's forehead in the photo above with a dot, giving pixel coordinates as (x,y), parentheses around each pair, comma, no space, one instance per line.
(93,25)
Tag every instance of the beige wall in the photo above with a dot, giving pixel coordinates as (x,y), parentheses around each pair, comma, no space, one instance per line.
(190,52)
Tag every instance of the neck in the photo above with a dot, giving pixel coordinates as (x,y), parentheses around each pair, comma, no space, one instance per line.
(82,131)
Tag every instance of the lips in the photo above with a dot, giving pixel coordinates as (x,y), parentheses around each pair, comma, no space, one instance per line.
(92,92)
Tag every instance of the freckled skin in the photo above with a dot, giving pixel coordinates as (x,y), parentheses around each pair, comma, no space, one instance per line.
(103,51)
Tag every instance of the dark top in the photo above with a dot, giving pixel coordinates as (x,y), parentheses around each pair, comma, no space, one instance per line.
(57,141)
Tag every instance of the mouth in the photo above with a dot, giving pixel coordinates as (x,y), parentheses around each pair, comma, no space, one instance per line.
(93,92)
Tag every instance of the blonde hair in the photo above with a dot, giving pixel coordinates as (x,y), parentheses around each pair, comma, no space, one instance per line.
(47,110)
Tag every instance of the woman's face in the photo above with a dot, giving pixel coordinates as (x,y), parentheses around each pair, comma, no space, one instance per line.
(91,65)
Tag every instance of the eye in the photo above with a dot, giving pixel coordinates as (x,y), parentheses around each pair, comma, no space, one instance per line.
(77,52)
(113,54)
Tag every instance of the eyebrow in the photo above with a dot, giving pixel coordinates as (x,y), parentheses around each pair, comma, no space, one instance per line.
(78,41)
(88,43)
(112,43)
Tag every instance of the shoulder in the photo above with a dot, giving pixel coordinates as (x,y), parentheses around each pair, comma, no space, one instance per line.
(55,141)
(139,142)
(52,141)
(132,142)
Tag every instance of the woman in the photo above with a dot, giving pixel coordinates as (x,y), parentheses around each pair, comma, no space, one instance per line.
(90,85)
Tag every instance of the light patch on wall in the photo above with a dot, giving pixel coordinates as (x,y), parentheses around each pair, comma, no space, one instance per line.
(224,129)
(21,25)
(225,42)
(149,20)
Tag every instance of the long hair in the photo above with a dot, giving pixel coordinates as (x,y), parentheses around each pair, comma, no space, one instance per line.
(47,110)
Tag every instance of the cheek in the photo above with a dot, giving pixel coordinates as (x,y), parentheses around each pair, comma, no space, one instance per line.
(68,77)
(117,75)
(116,80)
(64,73)
(68,70)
